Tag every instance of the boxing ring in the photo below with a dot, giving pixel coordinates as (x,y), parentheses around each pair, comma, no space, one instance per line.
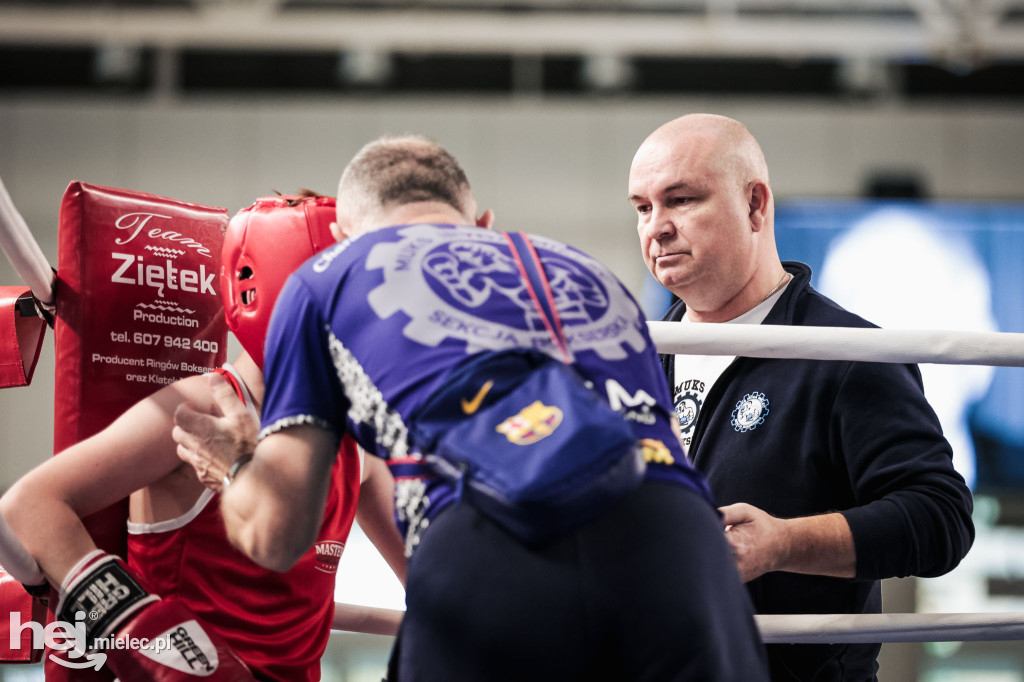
(782,342)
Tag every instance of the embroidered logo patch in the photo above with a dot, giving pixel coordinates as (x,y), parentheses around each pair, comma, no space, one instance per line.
(328,554)
(656,451)
(535,421)
(750,412)
(687,407)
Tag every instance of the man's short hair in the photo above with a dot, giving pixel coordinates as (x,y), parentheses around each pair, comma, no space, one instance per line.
(404,170)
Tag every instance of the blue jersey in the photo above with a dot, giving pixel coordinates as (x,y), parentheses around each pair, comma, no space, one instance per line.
(366,330)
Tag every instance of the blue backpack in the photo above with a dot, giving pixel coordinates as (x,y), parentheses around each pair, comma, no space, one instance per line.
(524,438)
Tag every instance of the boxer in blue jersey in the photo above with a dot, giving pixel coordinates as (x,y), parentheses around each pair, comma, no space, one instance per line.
(366,331)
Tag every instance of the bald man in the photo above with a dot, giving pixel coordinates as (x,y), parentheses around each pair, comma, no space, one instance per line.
(834,475)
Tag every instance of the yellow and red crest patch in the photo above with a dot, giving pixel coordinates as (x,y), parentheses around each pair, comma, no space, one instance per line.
(534,422)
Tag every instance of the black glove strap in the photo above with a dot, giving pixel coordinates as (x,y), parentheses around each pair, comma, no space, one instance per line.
(104,595)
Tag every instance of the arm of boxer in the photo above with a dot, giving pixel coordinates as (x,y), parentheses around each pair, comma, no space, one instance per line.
(275,506)
(212,443)
(45,506)
(16,560)
(376,515)
(813,545)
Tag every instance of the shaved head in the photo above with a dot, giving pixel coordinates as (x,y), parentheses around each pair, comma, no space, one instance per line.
(732,152)
(705,214)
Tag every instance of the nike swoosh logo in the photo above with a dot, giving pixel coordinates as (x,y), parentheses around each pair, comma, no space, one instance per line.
(471,406)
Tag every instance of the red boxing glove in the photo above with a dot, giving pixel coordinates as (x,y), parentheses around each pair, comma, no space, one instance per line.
(174,646)
(144,637)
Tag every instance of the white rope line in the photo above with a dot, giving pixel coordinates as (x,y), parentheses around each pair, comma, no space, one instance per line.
(369,620)
(22,250)
(796,629)
(840,343)
(891,627)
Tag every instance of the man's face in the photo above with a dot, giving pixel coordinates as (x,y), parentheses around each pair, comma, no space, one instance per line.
(692,216)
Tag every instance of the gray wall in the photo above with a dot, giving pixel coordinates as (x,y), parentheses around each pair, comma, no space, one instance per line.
(551,167)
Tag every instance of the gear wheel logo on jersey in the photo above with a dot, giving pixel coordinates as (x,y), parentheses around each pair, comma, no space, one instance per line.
(442,280)
(687,408)
(750,412)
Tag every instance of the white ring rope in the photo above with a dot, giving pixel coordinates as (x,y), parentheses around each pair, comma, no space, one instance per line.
(369,620)
(22,250)
(798,629)
(890,627)
(840,343)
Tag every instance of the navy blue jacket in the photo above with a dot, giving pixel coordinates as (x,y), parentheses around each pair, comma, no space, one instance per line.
(854,437)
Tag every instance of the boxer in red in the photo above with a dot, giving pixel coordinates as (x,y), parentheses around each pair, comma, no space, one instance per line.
(218,615)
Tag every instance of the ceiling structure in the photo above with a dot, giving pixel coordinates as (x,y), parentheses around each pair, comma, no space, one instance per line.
(863,39)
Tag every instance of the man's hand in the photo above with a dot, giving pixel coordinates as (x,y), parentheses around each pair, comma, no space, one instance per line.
(812,545)
(759,541)
(211,442)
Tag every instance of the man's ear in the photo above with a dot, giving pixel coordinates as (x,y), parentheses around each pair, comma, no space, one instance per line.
(486,219)
(341,231)
(759,204)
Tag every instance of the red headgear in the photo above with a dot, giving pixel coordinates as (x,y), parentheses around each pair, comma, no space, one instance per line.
(264,244)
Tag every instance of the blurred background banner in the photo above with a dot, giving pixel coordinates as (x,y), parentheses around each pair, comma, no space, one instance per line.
(919,265)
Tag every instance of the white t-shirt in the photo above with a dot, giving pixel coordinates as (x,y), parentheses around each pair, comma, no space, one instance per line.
(696,374)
